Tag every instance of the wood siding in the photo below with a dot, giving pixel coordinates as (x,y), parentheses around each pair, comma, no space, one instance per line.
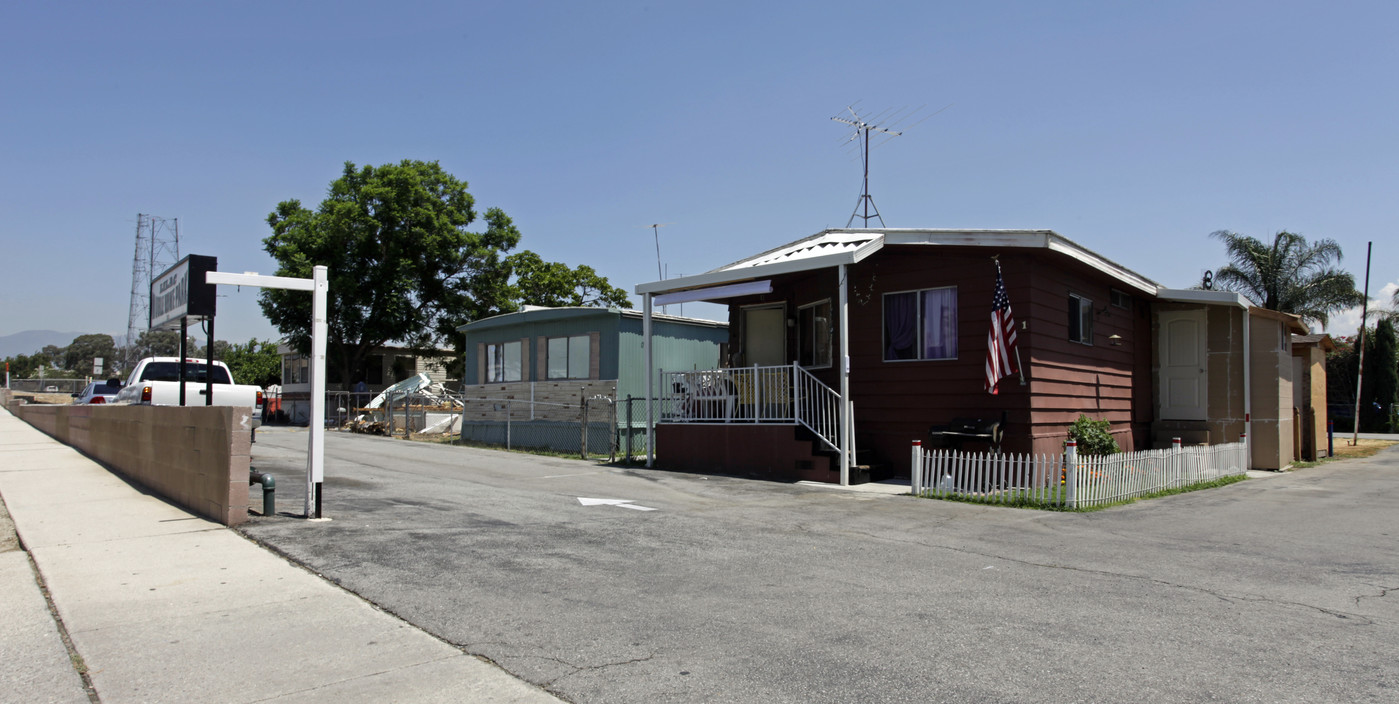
(897,402)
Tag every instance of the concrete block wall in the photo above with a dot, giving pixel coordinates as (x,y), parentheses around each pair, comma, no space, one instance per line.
(195,457)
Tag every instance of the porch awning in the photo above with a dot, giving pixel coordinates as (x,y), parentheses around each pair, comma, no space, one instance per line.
(824,251)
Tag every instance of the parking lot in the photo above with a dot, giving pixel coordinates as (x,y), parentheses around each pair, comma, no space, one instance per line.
(1274,589)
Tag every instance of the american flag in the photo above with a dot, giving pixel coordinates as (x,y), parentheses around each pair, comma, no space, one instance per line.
(1001,354)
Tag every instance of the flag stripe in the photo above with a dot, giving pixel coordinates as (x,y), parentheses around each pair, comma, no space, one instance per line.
(1000,341)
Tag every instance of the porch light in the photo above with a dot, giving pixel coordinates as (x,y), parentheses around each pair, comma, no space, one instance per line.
(1115,340)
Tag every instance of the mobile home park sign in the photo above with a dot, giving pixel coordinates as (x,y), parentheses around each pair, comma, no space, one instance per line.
(181,292)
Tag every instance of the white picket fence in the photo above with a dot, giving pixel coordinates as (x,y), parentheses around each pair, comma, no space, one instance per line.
(1070,480)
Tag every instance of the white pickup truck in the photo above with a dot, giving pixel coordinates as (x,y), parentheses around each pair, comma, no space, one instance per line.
(156,382)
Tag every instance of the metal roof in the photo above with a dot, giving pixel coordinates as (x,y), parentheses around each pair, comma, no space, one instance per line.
(535,314)
(835,247)
(818,245)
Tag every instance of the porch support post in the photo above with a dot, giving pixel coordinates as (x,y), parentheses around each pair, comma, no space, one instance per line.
(847,424)
(1248,385)
(650,379)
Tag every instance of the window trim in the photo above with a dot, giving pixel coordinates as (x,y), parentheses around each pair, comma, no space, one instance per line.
(1085,314)
(568,357)
(918,317)
(491,377)
(830,333)
(1119,298)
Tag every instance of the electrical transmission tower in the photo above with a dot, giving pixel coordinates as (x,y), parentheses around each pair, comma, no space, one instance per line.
(157,249)
(861,136)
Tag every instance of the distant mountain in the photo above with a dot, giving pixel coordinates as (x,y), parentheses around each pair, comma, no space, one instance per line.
(31,341)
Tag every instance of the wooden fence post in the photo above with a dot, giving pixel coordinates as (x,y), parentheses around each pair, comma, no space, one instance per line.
(917,460)
(1071,473)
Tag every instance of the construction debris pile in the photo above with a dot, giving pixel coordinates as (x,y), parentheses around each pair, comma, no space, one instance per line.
(416,405)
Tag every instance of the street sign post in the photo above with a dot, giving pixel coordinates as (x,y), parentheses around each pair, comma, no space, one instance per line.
(319,287)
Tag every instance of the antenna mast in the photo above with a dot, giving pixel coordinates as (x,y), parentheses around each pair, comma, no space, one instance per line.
(157,249)
(656,230)
(862,136)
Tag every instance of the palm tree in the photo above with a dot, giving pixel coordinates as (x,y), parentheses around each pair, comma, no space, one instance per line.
(1290,276)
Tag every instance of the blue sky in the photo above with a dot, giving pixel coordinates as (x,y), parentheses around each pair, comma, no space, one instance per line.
(1134,129)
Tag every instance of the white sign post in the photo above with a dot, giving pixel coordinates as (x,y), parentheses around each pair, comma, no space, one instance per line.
(319,287)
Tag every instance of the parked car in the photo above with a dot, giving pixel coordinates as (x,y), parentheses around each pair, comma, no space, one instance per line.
(99,392)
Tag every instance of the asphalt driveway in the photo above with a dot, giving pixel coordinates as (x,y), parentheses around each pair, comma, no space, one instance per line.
(1270,590)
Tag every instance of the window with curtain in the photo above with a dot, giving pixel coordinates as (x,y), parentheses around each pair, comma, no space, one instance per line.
(814,334)
(568,357)
(503,362)
(921,324)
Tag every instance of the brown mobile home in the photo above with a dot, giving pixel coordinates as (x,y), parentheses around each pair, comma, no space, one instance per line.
(868,339)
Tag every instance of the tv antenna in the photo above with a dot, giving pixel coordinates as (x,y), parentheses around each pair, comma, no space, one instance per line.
(656,230)
(861,136)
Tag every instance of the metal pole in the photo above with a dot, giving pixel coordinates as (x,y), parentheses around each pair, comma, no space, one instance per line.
(209,365)
(184,330)
(847,422)
(650,379)
(1360,368)
(315,453)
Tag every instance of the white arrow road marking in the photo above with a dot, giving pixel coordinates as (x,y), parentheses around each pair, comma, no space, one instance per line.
(624,503)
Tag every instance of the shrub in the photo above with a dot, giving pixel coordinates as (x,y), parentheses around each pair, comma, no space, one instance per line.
(1093,436)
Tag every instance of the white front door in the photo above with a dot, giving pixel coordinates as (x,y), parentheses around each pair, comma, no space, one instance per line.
(1184,365)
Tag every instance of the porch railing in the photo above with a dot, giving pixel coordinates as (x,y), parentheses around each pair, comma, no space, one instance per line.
(774,394)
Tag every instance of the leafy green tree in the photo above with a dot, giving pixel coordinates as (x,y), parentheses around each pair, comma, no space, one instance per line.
(163,343)
(403,266)
(52,356)
(254,363)
(1290,275)
(542,283)
(1380,387)
(24,366)
(80,353)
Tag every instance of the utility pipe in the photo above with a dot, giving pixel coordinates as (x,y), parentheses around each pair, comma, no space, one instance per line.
(269,490)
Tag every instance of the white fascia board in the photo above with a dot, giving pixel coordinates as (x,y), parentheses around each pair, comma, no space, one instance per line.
(747,288)
(1190,295)
(762,271)
(1024,239)
(1107,266)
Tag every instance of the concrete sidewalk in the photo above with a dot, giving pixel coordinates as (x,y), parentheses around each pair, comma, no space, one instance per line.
(162,606)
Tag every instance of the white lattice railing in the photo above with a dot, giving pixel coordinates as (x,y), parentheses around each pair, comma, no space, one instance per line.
(1071,480)
(775,394)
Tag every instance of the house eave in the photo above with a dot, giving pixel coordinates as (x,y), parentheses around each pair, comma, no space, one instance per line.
(1214,298)
(745,270)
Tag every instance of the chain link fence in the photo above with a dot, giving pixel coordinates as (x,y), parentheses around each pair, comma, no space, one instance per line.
(592,425)
(49,386)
